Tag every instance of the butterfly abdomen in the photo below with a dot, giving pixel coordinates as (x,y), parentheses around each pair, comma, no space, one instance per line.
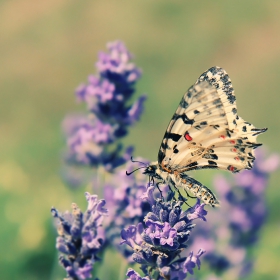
(199,190)
(182,181)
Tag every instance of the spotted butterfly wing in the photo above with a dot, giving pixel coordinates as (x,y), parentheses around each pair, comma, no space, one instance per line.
(206,132)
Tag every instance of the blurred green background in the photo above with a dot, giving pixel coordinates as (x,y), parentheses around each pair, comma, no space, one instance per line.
(47,48)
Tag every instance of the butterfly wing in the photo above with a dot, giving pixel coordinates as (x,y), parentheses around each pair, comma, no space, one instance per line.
(206,132)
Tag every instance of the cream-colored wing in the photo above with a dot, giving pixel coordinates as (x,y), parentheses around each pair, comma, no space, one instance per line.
(206,132)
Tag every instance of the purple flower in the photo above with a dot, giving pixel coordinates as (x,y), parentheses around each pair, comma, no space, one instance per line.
(238,223)
(192,261)
(117,63)
(80,237)
(197,212)
(167,235)
(132,236)
(158,243)
(107,93)
(133,275)
(161,234)
(92,139)
(122,194)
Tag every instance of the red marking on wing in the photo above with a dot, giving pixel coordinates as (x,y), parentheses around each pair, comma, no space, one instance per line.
(231,168)
(232,141)
(237,158)
(188,137)
(223,136)
(234,150)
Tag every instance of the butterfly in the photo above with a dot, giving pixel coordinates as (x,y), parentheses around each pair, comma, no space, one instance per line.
(205,132)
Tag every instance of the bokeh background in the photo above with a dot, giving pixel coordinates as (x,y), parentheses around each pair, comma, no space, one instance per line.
(47,48)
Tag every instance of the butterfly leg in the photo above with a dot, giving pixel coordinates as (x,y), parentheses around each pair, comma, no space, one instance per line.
(151,180)
(161,196)
(173,182)
(160,191)
(189,194)
(181,197)
(173,193)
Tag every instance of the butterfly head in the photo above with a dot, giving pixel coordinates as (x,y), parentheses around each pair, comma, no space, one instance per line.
(151,169)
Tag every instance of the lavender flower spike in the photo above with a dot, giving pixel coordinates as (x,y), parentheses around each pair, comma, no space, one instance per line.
(122,195)
(159,243)
(133,275)
(109,110)
(80,237)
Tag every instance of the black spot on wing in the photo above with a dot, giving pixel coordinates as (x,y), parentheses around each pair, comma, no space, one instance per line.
(256,145)
(214,70)
(231,98)
(175,150)
(193,164)
(164,146)
(173,136)
(229,91)
(241,149)
(213,156)
(210,156)
(225,79)
(186,120)
(161,156)
(217,102)
(212,163)
(228,133)
(184,104)
(216,126)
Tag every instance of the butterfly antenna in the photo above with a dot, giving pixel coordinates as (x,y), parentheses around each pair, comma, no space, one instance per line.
(137,161)
(129,173)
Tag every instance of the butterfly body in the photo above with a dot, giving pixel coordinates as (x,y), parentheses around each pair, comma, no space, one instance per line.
(178,180)
(205,132)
